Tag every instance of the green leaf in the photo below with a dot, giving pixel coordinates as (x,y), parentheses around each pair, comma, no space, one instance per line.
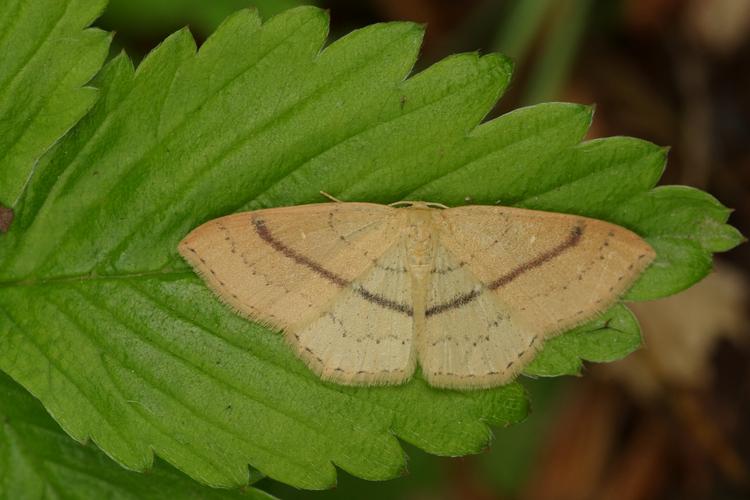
(145,356)
(47,57)
(37,460)
(101,319)
(685,226)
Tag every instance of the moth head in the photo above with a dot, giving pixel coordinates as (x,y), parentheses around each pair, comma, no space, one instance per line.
(417,204)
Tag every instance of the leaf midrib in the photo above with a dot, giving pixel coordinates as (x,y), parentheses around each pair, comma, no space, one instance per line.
(64,280)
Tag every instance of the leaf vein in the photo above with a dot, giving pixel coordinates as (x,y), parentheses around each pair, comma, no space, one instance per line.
(237,144)
(462,166)
(50,359)
(112,117)
(103,349)
(189,364)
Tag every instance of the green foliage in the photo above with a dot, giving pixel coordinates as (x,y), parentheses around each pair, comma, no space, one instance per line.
(38,460)
(46,58)
(685,226)
(103,322)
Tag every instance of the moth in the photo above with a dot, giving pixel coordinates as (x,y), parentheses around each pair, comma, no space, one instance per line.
(365,292)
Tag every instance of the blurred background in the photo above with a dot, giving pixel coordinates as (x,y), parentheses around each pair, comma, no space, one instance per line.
(672,420)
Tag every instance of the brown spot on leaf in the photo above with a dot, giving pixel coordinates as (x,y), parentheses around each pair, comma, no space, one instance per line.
(6,218)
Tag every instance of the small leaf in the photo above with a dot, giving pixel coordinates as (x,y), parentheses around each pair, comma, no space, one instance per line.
(47,56)
(37,460)
(685,226)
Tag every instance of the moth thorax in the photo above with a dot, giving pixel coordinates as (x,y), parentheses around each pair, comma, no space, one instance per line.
(419,241)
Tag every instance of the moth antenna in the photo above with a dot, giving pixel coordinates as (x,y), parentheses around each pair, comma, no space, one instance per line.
(411,203)
(330,197)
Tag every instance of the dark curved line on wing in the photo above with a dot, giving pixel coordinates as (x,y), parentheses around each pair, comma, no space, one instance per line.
(265,235)
(573,239)
(458,301)
(463,299)
(383,301)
